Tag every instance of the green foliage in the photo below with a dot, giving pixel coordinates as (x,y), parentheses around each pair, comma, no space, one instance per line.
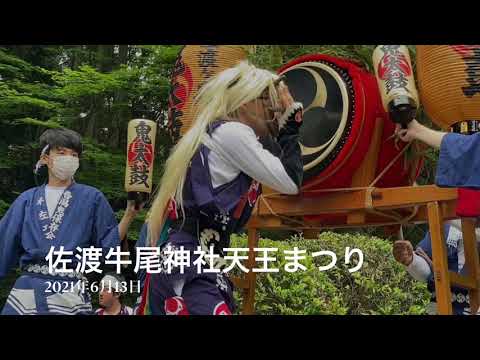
(12,65)
(51,124)
(3,207)
(25,91)
(136,226)
(5,161)
(381,286)
(85,81)
(274,56)
(104,169)
(303,292)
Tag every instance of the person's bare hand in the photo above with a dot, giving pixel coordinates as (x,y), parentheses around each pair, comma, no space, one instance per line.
(285,96)
(131,211)
(409,134)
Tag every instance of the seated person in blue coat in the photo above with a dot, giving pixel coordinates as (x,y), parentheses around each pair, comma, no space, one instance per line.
(419,265)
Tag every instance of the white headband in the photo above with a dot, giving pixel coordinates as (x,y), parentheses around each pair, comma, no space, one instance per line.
(39,165)
(45,149)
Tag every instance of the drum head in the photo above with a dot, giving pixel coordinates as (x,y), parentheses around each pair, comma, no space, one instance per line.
(328,98)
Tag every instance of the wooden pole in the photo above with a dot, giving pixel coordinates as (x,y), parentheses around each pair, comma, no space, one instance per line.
(439,257)
(251,277)
(365,174)
(471,261)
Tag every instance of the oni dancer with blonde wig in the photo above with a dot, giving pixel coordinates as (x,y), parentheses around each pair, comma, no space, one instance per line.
(211,183)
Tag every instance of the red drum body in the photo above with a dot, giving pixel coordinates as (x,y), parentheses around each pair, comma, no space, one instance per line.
(342,105)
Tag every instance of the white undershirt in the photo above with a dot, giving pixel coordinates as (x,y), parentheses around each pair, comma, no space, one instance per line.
(419,268)
(457,225)
(235,148)
(52,196)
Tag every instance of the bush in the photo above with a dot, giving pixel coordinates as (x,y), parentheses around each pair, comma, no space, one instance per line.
(381,286)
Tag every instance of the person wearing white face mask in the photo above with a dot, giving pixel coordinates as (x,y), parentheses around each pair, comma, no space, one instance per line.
(60,213)
(419,265)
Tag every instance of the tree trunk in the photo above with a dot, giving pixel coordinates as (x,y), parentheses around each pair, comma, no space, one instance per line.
(104,63)
(277,55)
(105,59)
(120,120)
(91,119)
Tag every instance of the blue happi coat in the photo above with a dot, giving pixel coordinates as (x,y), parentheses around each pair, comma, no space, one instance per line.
(82,218)
(459,161)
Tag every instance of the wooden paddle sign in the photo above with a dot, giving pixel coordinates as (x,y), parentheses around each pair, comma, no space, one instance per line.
(140,157)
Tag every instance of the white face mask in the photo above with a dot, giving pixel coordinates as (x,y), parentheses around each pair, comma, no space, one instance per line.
(65,166)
